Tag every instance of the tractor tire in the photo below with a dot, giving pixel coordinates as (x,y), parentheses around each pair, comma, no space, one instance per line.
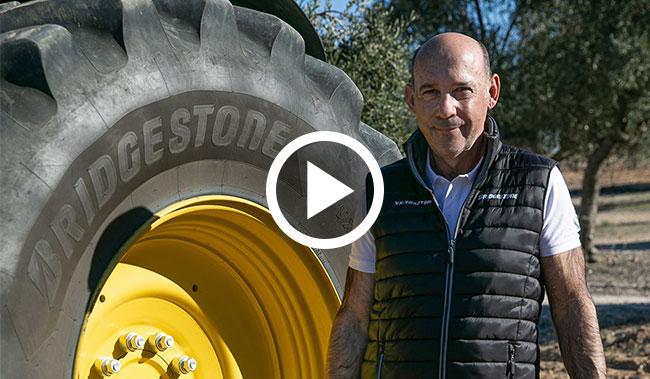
(113,111)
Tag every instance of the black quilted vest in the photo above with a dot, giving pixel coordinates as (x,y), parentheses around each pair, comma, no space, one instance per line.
(473,302)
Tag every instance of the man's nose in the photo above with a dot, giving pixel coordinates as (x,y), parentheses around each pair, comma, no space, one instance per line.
(446,106)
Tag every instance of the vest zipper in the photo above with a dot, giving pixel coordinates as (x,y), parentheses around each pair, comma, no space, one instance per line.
(510,365)
(449,275)
(381,363)
(442,372)
(446,297)
(449,271)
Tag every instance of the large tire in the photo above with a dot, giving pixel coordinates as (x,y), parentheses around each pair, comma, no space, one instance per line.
(139,104)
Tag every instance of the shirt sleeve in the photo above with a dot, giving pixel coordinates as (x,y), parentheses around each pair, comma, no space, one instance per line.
(363,252)
(561,229)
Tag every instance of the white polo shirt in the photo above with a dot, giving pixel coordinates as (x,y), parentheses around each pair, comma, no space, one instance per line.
(560,230)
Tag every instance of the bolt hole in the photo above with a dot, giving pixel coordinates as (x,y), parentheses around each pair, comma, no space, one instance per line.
(195,288)
(102,298)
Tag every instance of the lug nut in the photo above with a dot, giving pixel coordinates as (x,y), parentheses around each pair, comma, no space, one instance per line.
(183,364)
(163,341)
(132,342)
(107,366)
(187,364)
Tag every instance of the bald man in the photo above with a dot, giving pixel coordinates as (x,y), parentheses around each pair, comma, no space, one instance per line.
(449,281)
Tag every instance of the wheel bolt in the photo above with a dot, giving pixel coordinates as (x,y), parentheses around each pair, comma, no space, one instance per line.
(132,342)
(187,364)
(107,366)
(183,364)
(163,341)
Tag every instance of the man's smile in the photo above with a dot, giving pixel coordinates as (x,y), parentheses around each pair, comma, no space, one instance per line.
(446,127)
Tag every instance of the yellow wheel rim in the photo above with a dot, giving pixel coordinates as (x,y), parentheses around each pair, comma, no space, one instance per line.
(233,291)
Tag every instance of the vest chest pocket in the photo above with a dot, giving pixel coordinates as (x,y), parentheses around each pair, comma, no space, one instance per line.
(512,359)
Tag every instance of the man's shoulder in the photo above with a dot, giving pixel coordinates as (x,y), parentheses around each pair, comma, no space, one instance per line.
(396,168)
(513,157)
(395,176)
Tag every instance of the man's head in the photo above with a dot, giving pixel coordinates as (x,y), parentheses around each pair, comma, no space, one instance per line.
(451,92)
(486,60)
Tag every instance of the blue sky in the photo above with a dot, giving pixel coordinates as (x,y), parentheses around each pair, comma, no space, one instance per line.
(339,4)
(498,15)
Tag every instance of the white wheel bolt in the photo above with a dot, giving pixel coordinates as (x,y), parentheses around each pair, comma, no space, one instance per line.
(108,366)
(183,364)
(134,342)
(187,364)
(163,341)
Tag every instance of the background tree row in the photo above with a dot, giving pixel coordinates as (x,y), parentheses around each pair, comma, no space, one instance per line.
(575,73)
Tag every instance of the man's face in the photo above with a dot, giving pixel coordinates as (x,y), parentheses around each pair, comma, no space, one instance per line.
(450,97)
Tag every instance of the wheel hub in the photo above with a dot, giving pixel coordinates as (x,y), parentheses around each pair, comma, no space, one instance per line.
(236,296)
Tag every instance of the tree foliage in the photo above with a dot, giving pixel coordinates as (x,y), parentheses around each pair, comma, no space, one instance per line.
(587,66)
(583,68)
(575,74)
(569,69)
(492,22)
(369,44)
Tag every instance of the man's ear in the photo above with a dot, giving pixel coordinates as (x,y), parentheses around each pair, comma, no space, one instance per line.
(409,95)
(494,90)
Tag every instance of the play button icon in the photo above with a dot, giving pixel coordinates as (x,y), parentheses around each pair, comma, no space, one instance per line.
(323,190)
(324,194)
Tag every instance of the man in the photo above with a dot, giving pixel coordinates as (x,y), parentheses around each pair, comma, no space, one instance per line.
(470,233)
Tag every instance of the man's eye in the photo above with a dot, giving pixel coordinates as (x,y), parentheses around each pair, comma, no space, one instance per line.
(463,93)
(429,94)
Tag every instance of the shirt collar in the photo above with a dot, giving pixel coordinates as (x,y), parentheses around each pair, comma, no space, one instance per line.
(432,176)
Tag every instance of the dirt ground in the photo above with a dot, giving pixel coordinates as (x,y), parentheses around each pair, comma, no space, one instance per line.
(620,280)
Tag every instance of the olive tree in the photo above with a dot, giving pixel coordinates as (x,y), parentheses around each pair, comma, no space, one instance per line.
(370,45)
(584,81)
(575,73)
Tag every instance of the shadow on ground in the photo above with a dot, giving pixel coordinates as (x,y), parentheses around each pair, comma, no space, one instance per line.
(615,190)
(630,205)
(644,245)
(609,316)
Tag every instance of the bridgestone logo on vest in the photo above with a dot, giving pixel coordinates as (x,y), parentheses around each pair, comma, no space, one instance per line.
(411,202)
(498,196)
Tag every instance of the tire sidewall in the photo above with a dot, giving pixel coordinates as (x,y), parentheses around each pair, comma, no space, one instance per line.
(192,144)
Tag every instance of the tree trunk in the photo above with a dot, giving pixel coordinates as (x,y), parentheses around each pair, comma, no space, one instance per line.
(590,194)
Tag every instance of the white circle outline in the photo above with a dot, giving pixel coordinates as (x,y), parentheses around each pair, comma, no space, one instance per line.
(274,173)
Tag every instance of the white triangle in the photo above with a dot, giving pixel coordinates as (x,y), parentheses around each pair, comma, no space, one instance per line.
(323,190)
